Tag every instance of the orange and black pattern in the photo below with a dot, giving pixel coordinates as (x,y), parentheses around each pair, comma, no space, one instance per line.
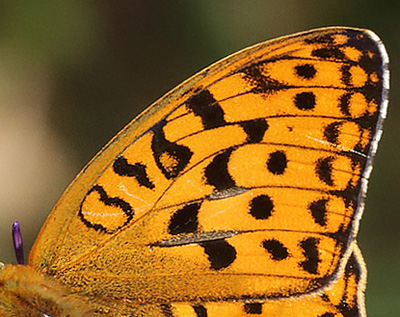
(345,298)
(239,193)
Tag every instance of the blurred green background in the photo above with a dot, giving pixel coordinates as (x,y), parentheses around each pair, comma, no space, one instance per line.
(73,73)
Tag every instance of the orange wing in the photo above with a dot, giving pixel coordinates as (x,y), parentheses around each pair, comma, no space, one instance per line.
(345,297)
(245,182)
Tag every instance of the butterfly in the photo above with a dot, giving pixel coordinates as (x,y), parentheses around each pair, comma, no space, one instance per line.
(238,193)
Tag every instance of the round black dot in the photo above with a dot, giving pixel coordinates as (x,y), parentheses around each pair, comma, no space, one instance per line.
(261,207)
(305,101)
(306,71)
(277,162)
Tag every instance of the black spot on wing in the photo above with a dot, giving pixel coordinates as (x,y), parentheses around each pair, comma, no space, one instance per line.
(318,211)
(323,169)
(253,308)
(277,162)
(320,39)
(261,207)
(305,100)
(217,174)
(306,71)
(220,253)
(203,104)
(346,75)
(200,310)
(137,170)
(255,129)
(184,220)
(276,249)
(353,267)
(261,83)
(311,254)
(329,52)
(344,103)
(171,158)
(331,132)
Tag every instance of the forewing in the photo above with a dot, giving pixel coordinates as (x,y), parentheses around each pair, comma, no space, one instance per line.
(247,181)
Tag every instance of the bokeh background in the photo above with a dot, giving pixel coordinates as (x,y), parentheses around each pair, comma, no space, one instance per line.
(73,73)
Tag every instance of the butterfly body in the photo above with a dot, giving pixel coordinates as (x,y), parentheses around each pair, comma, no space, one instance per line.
(238,193)
(26,292)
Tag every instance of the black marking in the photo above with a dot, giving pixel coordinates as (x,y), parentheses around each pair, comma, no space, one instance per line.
(305,100)
(323,169)
(184,220)
(330,315)
(253,308)
(261,207)
(216,173)
(137,170)
(164,151)
(200,310)
(108,201)
(371,62)
(320,39)
(341,236)
(331,132)
(367,122)
(349,194)
(353,268)
(329,52)
(262,84)
(255,129)
(344,103)
(166,310)
(277,162)
(346,75)
(372,92)
(350,306)
(311,253)
(325,298)
(319,211)
(276,248)
(307,71)
(220,253)
(204,105)
(358,148)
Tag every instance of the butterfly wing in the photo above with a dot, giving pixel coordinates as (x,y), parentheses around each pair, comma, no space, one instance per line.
(247,181)
(345,297)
